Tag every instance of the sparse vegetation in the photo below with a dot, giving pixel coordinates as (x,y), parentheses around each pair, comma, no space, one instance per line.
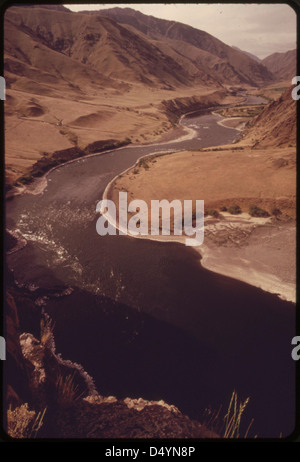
(46,163)
(276,212)
(23,423)
(233,417)
(213,213)
(241,111)
(47,327)
(66,390)
(227,426)
(143,163)
(234,209)
(256,211)
(25,179)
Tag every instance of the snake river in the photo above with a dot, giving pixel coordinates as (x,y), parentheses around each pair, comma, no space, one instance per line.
(144,318)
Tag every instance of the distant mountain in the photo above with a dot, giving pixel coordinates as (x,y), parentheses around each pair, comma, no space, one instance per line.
(71,47)
(248,54)
(119,44)
(46,7)
(282,65)
(197,51)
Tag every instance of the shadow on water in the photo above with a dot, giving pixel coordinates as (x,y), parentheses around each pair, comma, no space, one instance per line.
(178,332)
(137,355)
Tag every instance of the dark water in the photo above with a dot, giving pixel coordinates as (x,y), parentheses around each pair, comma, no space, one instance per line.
(145,319)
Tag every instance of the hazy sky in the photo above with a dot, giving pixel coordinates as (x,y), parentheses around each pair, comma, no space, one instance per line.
(261,29)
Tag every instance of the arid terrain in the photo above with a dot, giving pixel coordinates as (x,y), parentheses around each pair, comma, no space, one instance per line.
(258,171)
(79,84)
(282,64)
(63,93)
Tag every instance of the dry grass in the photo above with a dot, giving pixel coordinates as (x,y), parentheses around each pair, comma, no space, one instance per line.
(23,423)
(47,327)
(220,177)
(233,417)
(67,393)
(228,426)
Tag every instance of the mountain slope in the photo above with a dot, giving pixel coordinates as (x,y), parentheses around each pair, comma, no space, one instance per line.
(122,44)
(86,44)
(37,52)
(282,65)
(225,64)
(251,55)
(275,125)
(74,79)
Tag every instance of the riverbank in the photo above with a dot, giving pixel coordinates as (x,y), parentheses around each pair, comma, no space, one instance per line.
(73,125)
(259,251)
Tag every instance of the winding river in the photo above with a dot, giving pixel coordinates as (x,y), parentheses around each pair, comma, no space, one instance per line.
(143,317)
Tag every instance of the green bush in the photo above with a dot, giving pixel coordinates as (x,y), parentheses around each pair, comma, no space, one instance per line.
(234,209)
(256,211)
(223,208)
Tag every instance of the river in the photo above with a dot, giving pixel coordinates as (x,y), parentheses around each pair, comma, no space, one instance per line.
(144,318)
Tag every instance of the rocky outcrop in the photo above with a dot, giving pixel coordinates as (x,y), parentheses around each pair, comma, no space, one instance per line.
(16,368)
(275,125)
(174,108)
(41,383)
(107,418)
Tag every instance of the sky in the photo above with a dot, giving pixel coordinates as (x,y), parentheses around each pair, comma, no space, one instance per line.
(261,29)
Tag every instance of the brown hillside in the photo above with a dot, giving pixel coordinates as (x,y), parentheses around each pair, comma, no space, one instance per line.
(74,46)
(226,64)
(73,79)
(251,55)
(275,125)
(282,65)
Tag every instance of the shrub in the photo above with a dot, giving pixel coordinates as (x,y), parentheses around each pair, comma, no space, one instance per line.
(223,208)
(275,211)
(143,163)
(26,179)
(213,213)
(256,211)
(234,209)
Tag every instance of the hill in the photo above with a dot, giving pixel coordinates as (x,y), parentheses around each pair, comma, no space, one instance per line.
(74,79)
(282,65)
(251,55)
(197,50)
(276,125)
(123,44)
